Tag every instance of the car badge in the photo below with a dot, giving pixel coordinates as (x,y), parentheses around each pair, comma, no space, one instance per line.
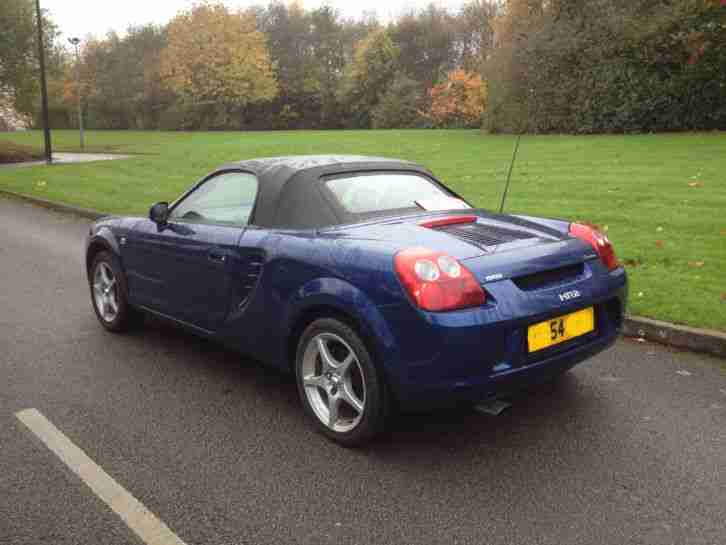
(569,295)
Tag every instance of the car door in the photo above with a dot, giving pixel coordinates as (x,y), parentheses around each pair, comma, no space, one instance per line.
(188,267)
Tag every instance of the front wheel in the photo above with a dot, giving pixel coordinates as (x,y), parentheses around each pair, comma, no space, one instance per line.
(340,387)
(109,294)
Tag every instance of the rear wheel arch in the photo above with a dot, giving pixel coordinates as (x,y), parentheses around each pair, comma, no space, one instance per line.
(315,312)
(307,317)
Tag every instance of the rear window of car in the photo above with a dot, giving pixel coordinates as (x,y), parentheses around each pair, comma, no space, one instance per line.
(370,193)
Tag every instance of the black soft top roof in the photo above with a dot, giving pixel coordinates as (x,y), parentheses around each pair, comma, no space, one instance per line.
(289,194)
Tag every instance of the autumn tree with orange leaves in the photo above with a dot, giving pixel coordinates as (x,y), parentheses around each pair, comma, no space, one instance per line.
(458,101)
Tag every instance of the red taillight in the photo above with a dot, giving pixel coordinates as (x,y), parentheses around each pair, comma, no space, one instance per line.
(599,243)
(437,281)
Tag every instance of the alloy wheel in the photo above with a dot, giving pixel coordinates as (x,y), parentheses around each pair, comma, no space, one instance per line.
(334,382)
(105,292)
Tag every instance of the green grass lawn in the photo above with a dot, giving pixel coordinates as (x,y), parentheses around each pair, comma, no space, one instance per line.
(662,198)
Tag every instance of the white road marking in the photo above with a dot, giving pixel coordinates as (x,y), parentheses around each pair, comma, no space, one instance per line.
(138,518)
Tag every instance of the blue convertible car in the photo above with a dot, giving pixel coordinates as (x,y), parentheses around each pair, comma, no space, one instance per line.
(370,280)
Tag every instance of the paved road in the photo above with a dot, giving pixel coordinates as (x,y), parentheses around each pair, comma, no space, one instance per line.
(628,449)
(66,157)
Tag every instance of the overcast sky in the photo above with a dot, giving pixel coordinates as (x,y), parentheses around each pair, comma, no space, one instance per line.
(81,17)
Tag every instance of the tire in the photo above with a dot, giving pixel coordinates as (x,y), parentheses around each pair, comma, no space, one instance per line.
(109,294)
(354,385)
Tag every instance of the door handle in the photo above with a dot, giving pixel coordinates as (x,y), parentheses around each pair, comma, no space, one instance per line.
(217,255)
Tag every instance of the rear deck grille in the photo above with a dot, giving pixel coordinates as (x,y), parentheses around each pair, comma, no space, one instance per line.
(550,278)
(484,235)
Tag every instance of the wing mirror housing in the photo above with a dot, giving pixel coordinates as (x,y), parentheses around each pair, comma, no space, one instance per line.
(159,213)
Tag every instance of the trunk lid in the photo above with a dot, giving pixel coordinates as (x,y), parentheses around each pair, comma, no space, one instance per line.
(494,246)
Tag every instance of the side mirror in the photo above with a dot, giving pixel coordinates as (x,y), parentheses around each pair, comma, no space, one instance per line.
(159,213)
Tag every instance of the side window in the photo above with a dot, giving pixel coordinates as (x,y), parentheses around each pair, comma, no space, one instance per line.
(226,199)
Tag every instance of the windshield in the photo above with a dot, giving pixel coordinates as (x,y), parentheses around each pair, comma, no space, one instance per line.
(382,191)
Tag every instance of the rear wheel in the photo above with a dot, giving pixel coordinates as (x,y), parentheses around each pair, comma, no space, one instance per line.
(340,387)
(109,294)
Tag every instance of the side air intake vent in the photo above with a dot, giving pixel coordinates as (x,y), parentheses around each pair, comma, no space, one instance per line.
(251,277)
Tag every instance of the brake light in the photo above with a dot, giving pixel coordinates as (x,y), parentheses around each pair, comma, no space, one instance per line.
(448,220)
(437,281)
(599,242)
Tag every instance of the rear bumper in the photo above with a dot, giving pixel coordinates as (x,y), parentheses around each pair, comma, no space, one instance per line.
(480,388)
(473,355)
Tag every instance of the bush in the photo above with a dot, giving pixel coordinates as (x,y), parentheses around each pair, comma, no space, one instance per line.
(16,153)
(599,66)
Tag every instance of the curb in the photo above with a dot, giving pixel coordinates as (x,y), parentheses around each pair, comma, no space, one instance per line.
(679,336)
(57,206)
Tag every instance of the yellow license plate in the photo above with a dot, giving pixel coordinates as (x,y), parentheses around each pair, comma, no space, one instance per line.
(560,329)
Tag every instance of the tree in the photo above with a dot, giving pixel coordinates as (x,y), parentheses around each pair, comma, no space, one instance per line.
(287,31)
(608,66)
(18,52)
(17,47)
(368,76)
(307,50)
(426,43)
(217,63)
(458,101)
(398,107)
(328,42)
(120,82)
(474,34)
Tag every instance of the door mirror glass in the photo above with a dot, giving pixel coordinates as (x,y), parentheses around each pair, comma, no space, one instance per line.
(159,213)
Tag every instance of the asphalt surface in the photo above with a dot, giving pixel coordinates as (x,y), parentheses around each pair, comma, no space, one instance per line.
(67,157)
(629,448)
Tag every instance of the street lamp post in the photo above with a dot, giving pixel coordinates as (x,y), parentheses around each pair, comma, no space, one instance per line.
(43,86)
(75,42)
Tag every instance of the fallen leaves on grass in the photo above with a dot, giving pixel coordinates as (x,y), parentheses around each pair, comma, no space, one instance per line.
(696,264)
(695,184)
(723,232)
(723,297)
(632,263)
(659,243)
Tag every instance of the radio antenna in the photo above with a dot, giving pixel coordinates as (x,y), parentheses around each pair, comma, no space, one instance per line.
(509,174)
